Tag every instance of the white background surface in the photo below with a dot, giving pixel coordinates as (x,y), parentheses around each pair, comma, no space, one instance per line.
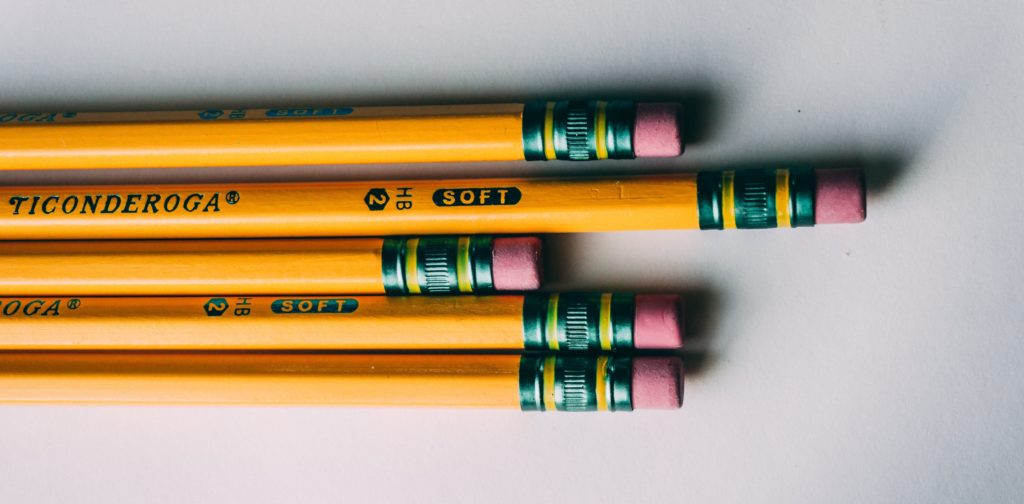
(880,362)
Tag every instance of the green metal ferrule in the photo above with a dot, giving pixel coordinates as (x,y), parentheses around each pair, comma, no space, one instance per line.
(575,383)
(578,130)
(440,265)
(756,198)
(578,321)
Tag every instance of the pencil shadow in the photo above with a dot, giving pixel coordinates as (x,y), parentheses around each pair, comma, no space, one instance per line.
(701,307)
(699,115)
(882,173)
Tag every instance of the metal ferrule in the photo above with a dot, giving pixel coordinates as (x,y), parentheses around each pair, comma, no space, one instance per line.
(575,383)
(578,130)
(756,198)
(578,321)
(437,265)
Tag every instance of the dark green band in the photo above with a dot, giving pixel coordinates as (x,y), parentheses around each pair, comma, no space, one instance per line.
(437,265)
(533,130)
(481,258)
(619,126)
(623,317)
(801,196)
(575,382)
(392,258)
(531,383)
(709,200)
(620,383)
(535,311)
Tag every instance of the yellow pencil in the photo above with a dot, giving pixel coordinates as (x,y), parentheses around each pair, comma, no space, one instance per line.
(572,130)
(558,321)
(530,383)
(708,200)
(424,265)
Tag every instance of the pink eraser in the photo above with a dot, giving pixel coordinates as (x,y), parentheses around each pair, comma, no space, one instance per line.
(657,383)
(656,130)
(839,197)
(516,263)
(659,322)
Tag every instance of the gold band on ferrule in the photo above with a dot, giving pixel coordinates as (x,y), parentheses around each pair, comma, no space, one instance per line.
(549,384)
(552,322)
(600,127)
(601,383)
(782,204)
(605,329)
(412,281)
(463,267)
(728,200)
(549,131)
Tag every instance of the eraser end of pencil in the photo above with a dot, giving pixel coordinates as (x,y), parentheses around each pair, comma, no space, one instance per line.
(657,383)
(516,263)
(839,196)
(656,131)
(658,323)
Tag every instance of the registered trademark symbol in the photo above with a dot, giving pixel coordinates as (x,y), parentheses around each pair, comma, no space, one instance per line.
(232,197)
(73,303)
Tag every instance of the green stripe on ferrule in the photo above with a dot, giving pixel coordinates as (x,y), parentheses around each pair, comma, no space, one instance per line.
(801,196)
(437,270)
(577,321)
(481,259)
(533,130)
(619,126)
(535,315)
(623,316)
(392,267)
(709,200)
(573,130)
(574,386)
(619,383)
(531,383)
